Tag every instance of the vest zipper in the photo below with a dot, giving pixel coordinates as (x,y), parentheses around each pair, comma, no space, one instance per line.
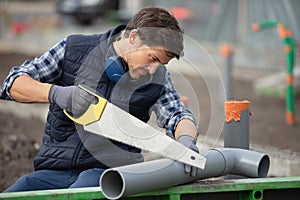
(76,154)
(109,91)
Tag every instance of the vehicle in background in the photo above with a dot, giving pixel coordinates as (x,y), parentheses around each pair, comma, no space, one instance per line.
(86,11)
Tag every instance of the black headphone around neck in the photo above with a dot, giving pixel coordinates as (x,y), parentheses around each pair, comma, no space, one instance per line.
(115,68)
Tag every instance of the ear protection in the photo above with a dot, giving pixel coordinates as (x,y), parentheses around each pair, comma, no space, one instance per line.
(115,68)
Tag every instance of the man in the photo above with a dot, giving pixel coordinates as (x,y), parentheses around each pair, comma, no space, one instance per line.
(125,65)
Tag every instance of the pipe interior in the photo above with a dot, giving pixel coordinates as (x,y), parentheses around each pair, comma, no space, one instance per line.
(263,167)
(112,184)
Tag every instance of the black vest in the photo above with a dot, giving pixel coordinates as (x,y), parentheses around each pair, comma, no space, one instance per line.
(65,145)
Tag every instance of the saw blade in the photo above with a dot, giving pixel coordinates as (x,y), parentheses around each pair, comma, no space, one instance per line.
(118,125)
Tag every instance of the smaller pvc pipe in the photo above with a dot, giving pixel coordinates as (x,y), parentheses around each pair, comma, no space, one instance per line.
(236,127)
(245,162)
(157,174)
(226,52)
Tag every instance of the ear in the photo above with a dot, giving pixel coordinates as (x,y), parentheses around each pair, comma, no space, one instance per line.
(134,38)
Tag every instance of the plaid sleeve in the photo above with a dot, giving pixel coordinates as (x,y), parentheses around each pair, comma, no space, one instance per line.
(44,68)
(170,110)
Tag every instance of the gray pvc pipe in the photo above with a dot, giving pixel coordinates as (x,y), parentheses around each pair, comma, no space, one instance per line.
(236,133)
(157,174)
(228,76)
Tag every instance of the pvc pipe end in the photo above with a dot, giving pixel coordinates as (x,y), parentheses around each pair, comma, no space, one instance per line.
(263,166)
(233,109)
(112,184)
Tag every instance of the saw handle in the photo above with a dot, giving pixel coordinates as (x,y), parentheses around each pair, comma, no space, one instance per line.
(93,113)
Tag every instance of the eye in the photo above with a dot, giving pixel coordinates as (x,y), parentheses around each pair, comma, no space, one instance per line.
(155,59)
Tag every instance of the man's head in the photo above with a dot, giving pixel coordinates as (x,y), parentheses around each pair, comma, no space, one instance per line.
(151,38)
(157,27)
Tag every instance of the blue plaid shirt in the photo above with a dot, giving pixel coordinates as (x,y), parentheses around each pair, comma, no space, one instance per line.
(169,108)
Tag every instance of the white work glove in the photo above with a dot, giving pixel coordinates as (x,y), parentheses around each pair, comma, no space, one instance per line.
(189,142)
(71,98)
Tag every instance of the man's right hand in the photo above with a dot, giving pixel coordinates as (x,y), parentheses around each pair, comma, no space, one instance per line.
(71,98)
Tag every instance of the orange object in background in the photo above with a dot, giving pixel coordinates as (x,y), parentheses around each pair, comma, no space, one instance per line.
(226,50)
(234,108)
(255,27)
(181,12)
(290,118)
(18,27)
(184,100)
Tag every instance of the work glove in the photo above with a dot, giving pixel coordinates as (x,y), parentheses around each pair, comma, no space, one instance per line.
(189,142)
(71,98)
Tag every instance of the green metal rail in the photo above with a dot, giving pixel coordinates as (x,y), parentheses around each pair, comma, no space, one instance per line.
(287,188)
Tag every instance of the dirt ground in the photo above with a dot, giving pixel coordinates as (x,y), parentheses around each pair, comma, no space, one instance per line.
(20,138)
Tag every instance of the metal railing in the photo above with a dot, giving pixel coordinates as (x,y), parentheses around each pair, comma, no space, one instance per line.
(241,189)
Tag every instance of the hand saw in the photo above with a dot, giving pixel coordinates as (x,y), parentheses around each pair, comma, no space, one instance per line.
(108,120)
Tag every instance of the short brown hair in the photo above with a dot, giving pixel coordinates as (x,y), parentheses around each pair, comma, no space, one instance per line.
(158,27)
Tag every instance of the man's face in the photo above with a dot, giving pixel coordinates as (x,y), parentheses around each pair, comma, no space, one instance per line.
(146,60)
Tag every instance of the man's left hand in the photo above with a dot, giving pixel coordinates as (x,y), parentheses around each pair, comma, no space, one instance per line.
(189,142)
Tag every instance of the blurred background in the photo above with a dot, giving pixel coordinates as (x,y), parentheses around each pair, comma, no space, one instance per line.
(212,22)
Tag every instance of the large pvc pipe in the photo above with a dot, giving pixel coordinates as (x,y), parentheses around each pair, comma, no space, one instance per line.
(157,174)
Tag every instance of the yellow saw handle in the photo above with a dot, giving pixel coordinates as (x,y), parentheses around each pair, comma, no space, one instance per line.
(93,113)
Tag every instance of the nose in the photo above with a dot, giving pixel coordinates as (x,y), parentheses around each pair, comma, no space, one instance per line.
(153,67)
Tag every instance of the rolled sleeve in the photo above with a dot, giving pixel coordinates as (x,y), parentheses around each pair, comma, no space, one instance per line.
(44,68)
(170,110)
